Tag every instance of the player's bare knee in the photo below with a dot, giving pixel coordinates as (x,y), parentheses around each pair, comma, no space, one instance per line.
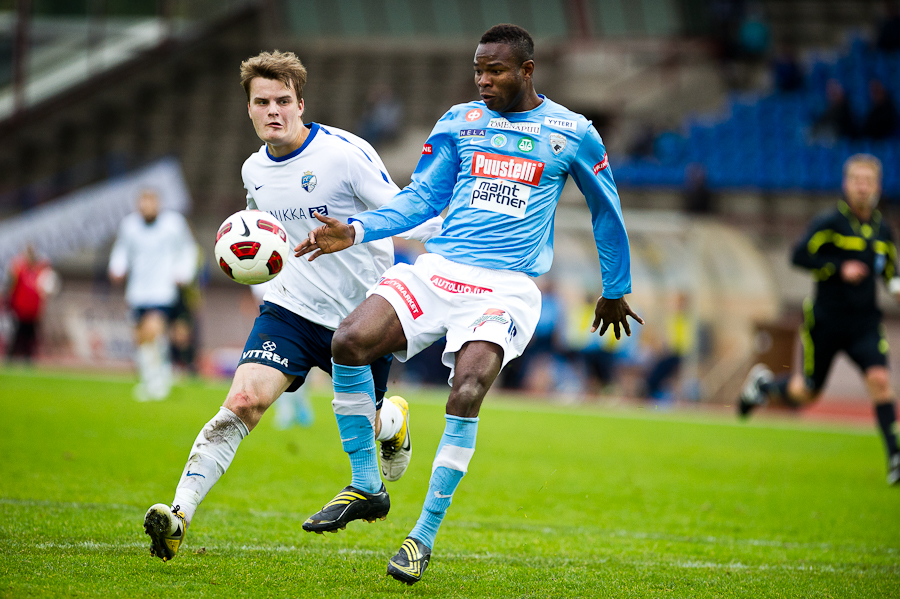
(349,346)
(467,393)
(879,382)
(246,405)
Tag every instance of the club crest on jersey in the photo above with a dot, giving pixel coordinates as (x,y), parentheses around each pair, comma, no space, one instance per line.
(308,182)
(473,115)
(557,142)
(490,315)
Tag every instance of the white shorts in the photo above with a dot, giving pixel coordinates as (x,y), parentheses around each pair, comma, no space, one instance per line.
(436,297)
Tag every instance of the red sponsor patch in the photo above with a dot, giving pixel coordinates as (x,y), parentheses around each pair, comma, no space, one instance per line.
(427,149)
(474,114)
(602,164)
(511,168)
(457,287)
(410,300)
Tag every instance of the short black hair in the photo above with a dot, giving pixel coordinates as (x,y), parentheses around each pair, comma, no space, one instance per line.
(513,35)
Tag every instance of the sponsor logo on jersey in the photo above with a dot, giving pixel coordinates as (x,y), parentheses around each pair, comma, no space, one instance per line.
(504,197)
(557,142)
(408,298)
(490,315)
(270,346)
(259,354)
(308,182)
(457,287)
(292,213)
(323,210)
(513,168)
(601,165)
(561,123)
(427,149)
(498,141)
(526,144)
(501,123)
(472,133)
(474,114)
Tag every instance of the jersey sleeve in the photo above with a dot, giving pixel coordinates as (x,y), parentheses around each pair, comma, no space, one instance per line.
(886,247)
(428,193)
(591,172)
(118,258)
(808,252)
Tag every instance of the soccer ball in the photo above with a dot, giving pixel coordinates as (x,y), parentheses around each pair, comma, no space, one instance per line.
(251,247)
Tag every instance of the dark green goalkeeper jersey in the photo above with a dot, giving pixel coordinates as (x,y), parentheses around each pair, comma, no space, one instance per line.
(839,236)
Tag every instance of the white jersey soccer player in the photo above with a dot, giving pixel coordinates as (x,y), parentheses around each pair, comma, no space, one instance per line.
(338,174)
(157,252)
(301,170)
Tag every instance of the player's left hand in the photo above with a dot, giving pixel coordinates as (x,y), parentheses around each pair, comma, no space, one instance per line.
(613,312)
(333,236)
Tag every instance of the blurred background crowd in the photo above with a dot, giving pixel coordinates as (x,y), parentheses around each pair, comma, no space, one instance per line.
(726,122)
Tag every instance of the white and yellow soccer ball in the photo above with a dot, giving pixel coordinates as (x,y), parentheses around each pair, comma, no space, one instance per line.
(251,247)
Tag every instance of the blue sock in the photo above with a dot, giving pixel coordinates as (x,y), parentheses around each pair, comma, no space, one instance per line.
(450,464)
(354,409)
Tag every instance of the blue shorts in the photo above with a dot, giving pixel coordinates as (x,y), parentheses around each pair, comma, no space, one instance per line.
(293,345)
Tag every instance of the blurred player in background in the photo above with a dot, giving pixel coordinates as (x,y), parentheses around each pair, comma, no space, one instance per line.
(154,248)
(30,282)
(846,250)
(301,170)
(498,166)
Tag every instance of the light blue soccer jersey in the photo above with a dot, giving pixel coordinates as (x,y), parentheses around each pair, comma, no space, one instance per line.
(500,175)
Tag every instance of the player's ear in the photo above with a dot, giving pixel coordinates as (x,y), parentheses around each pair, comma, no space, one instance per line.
(527,69)
(302,106)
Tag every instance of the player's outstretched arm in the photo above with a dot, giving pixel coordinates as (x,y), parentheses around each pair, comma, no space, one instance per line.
(613,312)
(333,236)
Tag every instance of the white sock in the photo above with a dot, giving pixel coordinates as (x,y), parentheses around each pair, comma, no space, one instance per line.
(391,420)
(147,359)
(210,456)
(161,382)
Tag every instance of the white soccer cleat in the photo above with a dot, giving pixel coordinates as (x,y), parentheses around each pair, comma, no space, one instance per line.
(396,452)
(893,476)
(751,395)
(167,528)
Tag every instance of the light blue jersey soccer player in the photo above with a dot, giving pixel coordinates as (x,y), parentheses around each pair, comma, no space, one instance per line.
(498,166)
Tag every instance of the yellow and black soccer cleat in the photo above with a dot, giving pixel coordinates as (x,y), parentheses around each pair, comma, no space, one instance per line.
(166,526)
(410,562)
(348,505)
(396,452)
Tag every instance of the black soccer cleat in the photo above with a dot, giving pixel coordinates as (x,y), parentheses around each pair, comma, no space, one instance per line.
(348,505)
(410,562)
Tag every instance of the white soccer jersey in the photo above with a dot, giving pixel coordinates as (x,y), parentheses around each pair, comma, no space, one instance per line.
(337,174)
(157,258)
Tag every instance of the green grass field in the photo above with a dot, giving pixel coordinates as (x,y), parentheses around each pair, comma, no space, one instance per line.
(558,502)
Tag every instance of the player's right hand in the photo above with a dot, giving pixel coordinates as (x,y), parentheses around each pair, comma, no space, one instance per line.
(332,236)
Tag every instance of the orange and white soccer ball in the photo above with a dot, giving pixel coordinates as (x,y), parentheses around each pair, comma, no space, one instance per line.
(251,247)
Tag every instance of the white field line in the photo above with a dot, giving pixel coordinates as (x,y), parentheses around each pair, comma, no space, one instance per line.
(497,557)
(537,529)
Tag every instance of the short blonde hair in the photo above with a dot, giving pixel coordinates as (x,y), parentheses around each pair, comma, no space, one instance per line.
(280,66)
(866,159)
